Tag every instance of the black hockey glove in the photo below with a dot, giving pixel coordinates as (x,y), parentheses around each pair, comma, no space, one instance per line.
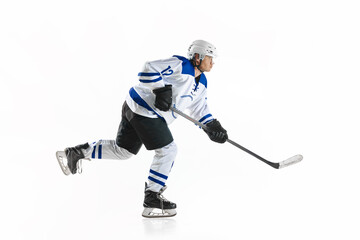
(163,98)
(216,132)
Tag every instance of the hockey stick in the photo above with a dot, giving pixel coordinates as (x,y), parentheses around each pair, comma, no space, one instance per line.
(277,165)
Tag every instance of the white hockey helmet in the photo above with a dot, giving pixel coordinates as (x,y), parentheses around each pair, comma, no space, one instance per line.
(203,48)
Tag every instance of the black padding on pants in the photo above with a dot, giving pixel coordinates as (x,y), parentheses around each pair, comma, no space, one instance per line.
(135,130)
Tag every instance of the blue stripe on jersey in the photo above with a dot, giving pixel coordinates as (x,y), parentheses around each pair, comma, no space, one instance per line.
(149,81)
(187,67)
(205,117)
(184,96)
(203,80)
(147,74)
(172,112)
(208,121)
(93,152)
(136,97)
(156,181)
(158,174)
(100,152)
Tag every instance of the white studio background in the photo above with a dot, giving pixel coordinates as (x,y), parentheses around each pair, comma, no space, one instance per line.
(285,83)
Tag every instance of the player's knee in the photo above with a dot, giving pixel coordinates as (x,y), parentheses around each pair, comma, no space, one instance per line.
(168,150)
(122,153)
(173,148)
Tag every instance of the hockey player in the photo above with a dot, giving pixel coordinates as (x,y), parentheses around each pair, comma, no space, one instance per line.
(177,82)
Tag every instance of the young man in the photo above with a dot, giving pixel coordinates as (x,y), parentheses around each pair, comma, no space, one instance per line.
(178,82)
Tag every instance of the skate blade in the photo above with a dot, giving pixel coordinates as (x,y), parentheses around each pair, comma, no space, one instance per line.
(61,157)
(158,213)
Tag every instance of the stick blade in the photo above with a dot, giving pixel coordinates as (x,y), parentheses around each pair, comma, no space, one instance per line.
(291,161)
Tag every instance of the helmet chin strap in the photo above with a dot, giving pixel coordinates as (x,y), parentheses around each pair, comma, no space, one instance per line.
(198,66)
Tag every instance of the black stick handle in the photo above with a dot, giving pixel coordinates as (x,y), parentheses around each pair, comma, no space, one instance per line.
(274,165)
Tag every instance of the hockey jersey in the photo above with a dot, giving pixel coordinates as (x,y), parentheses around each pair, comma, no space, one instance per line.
(188,94)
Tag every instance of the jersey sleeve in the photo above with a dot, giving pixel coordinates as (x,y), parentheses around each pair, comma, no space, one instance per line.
(153,73)
(200,110)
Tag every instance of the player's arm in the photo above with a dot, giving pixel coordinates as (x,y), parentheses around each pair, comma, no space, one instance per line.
(152,78)
(213,127)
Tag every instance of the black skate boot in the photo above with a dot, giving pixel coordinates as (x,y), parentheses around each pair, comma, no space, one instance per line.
(73,155)
(156,205)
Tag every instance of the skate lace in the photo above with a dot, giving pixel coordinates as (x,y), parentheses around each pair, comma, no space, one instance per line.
(162,198)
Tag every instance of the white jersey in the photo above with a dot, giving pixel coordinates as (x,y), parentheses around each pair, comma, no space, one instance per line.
(188,94)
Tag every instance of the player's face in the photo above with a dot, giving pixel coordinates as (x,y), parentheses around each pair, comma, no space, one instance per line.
(207,64)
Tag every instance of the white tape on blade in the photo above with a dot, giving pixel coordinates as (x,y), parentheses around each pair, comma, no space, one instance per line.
(291,161)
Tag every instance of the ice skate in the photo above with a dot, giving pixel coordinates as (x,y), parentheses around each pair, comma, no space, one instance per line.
(73,157)
(156,205)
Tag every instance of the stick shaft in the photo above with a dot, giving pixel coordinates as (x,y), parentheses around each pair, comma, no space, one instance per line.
(272,164)
(187,117)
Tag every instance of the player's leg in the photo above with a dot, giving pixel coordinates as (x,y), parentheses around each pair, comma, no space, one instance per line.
(127,142)
(155,135)
(126,145)
(159,171)
(106,149)
(161,166)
